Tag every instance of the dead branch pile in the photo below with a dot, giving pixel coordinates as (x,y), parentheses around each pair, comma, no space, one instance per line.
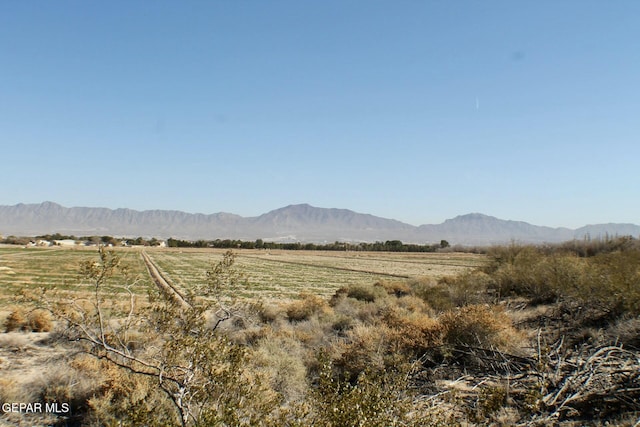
(555,386)
(595,385)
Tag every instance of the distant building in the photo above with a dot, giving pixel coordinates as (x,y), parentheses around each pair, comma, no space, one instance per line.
(65,242)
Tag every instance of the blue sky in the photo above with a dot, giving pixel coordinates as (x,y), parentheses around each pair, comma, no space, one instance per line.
(413,110)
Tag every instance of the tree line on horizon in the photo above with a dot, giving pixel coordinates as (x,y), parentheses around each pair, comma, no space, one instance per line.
(386,246)
(378,246)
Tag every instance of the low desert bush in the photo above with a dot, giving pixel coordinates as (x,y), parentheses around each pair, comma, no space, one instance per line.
(522,275)
(12,391)
(122,398)
(307,306)
(468,288)
(367,293)
(40,321)
(592,247)
(399,289)
(491,399)
(37,320)
(281,360)
(479,326)
(364,303)
(15,321)
(62,384)
(540,277)
(269,313)
(365,348)
(607,282)
(342,323)
(625,332)
(374,398)
(413,304)
(412,334)
(436,295)
(614,283)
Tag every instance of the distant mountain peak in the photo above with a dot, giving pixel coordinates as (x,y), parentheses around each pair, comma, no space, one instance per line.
(474,216)
(304,221)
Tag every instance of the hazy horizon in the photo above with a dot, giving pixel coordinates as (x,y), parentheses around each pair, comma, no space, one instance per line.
(416,111)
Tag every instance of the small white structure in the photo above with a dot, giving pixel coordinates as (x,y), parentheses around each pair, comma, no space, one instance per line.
(65,242)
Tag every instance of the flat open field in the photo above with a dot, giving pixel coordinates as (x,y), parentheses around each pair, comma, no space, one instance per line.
(31,268)
(284,274)
(270,274)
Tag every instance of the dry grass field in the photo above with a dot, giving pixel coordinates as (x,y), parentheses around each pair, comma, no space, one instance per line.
(31,268)
(274,274)
(281,275)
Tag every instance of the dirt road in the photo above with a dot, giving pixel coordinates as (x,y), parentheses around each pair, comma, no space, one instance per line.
(162,283)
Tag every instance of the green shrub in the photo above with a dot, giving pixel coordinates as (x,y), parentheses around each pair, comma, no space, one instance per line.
(609,283)
(619,273)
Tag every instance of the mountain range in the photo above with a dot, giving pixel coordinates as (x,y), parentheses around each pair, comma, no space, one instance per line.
(300,222)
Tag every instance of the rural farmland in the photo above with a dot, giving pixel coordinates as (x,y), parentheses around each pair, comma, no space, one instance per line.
(285,274)
(269,275)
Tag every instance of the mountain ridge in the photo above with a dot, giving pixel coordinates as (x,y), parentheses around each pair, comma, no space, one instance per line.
(296,222)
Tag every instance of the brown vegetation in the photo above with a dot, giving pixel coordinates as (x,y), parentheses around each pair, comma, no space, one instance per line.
(35,321)
(538,336)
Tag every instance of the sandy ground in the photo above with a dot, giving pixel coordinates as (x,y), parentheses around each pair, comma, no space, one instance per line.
(27,360)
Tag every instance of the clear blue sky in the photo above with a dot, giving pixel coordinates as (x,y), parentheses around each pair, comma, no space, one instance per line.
(414,110)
